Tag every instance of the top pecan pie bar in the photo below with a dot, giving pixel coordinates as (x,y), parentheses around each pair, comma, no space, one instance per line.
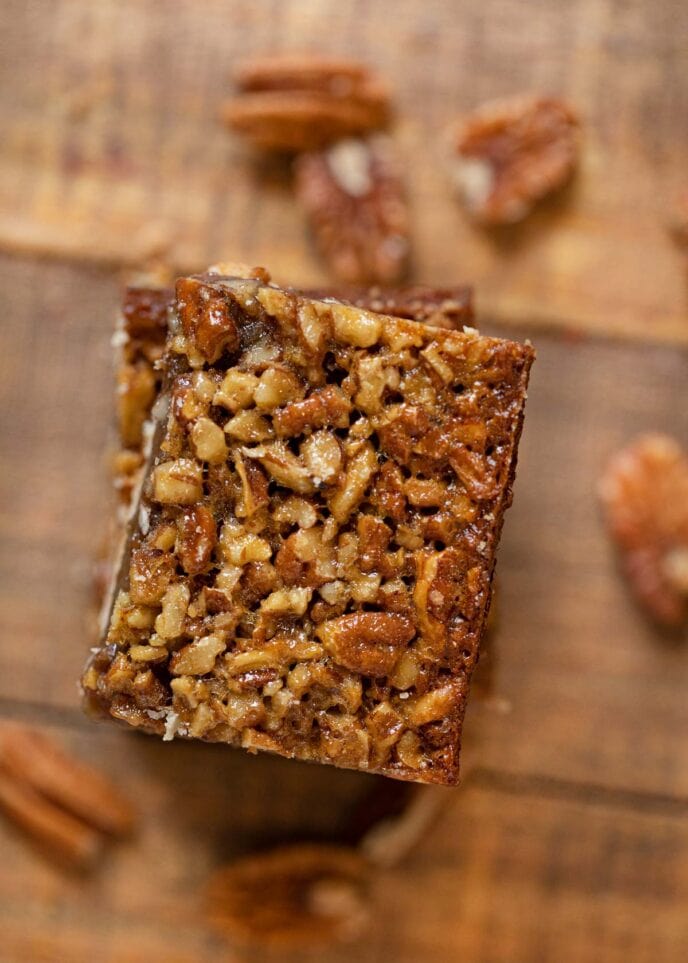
(310,568)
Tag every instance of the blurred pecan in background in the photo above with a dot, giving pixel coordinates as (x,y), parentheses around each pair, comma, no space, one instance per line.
(645,494)
(679,222)
(513,152)
(63,805)
(304,103)
(293,896)
(354,198)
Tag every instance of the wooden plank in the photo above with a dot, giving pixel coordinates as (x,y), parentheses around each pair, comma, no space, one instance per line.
(530,879)
(507,873)
(199,807)
(595,693)
(111,149)
(56,389)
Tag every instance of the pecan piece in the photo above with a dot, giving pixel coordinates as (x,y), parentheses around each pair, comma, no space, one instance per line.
(387,493)
(644,491)
(197,539)
(360,470)
(136,391)
(450,307)
(254,486)
(373,540)
(296,104)
(327,406)
(355,202)
(197,658)
(206,318)
(367,642)
(145,312)
(284,467)
(150,572)
(44,765)
(297,895)
(512,153)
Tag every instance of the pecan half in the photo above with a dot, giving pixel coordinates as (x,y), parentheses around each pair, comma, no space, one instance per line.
(367,642)
(297,895)
(644,491)
(205,317)
(61,834)
(58,801)
(295,104)
(513,152)
(355,201)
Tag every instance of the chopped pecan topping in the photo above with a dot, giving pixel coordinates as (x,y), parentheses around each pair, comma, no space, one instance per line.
(513,152)
(324,407)
(355,201)
(136,391)
(206,319)
(644,491)
(150,573)
(450,307)
(311,561)
(367,642)
(197,539)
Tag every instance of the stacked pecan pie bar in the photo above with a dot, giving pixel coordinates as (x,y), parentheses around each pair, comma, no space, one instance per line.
(308,570)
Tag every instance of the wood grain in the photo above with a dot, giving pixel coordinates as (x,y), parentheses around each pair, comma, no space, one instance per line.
(509,872)
(568,840)
(112,150)
(598,710)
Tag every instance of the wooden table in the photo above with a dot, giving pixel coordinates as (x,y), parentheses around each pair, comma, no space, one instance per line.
(569,838)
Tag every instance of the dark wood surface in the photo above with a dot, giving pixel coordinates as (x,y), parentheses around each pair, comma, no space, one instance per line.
(568,840)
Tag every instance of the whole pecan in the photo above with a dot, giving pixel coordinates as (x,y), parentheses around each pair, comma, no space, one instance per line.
(644,491)
(61,803)
(513,152)
(297,895)
(355,201)
(304,103)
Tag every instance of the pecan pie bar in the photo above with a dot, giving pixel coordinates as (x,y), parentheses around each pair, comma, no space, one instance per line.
(309,570)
